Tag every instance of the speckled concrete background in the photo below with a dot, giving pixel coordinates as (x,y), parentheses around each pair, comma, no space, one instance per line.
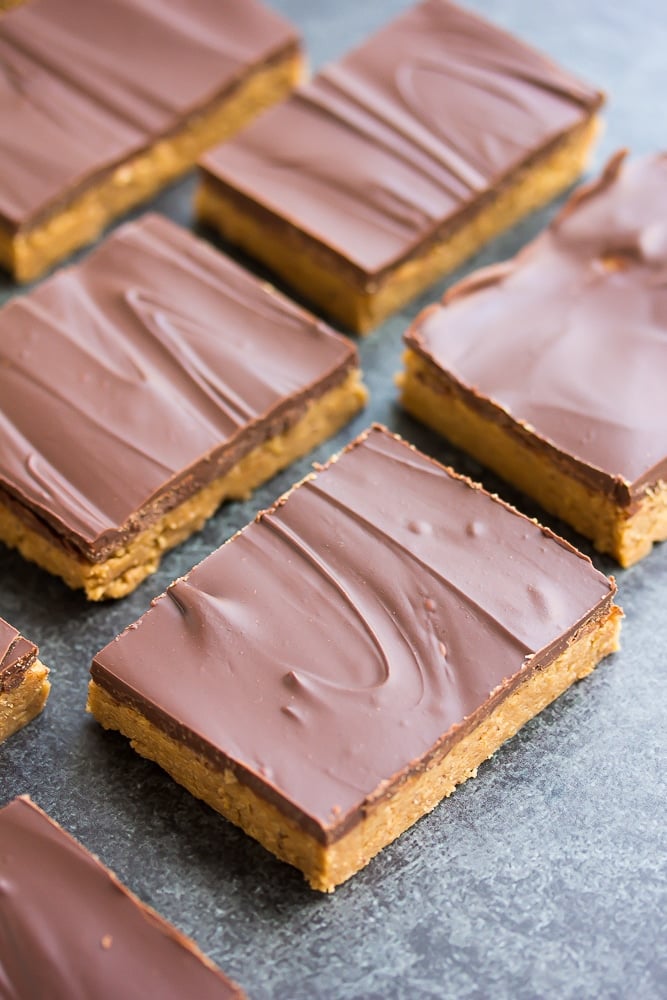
(544,877)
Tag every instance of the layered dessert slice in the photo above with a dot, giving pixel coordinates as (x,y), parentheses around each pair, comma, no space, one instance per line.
(141,388)
(104,103)
(71,929)
(24,685)
(341,665)
(549,368)
(399,161)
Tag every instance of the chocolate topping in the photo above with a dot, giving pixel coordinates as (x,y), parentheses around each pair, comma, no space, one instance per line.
(402,134)
(69,929)
(83,86)
(136,377)
(373,616)
(16,656)
(567,344)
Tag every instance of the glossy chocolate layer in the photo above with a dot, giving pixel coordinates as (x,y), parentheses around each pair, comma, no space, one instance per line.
(69,929)
(569,340)
(83,86)
(16,655)
(377,613)
(132,379)
(399,137)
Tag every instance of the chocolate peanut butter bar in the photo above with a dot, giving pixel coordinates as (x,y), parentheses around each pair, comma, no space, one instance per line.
(399,161)
(103,103)
(337,668)
(24,687)
(141,388)
(71,929)
(549,368)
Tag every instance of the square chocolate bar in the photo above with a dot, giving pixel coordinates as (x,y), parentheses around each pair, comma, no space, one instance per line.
(105,101)
(71,929)
(400,160)
(344,662)
(550,368)
(144,386)
(24,686)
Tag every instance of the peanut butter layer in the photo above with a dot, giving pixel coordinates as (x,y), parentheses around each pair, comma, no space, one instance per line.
(142,387)
(71,929)
(399,148)
(24,687)
(548,368)
(95,119)
(385,609)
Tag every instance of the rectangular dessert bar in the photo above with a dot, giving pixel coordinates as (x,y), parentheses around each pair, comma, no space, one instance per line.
(399,161)
(550,368)
(71,929)
(104,103)
(24,687)
(339,666)
(141,388)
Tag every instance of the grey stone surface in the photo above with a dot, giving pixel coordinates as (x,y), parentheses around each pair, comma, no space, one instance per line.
(545,876)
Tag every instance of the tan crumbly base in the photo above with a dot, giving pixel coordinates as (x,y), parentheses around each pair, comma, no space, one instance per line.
(326,866)
(124,570)
(289,252)
(30,252)
(19,706)
(626,534)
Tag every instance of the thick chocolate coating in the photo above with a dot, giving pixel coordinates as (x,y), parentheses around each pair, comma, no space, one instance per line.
(134,378)
(69,929)
(568,341)
(375,615)
(406,132)
(16,655)
(83,86)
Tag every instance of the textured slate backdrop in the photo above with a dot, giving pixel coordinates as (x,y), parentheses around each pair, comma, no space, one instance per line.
(545,876)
